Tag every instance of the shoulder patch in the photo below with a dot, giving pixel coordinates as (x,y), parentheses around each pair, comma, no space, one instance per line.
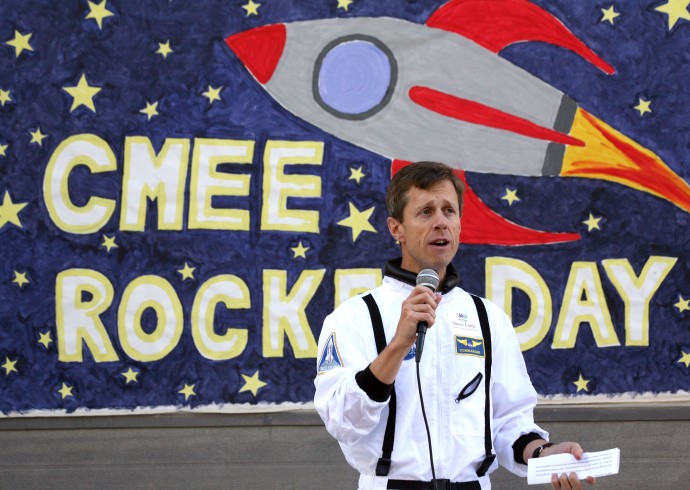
(330,358)
(468,346)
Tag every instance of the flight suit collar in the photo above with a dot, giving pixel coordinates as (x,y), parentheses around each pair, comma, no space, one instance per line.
(393,270)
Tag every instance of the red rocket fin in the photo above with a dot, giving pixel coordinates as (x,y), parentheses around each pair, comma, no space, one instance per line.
(482,226)
(497,24)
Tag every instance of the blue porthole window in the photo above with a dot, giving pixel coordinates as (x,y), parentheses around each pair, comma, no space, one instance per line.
(354,77)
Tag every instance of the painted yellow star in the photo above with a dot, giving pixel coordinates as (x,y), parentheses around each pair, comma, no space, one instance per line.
(109,243)
(344,4)
(643,106)
(251,8)
(685,359)
(20,279)
(187,391)
(356,174)
(609,15)
(4,97)
(510,196)
(252,383)
(300,251)
(37,137)
(9,366)
(592,222)
(358,221)
(683,304)
(45,339)
(98,13)
(187,272)
(3,150)
(66,391)
(130,375)
(150,110)
(20,43)
(164,49)
(9,211)
(582,383)
(212,94)
(82,94)
(676,10)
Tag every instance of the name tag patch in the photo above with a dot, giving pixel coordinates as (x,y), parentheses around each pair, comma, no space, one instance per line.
(469,346)
(461,327)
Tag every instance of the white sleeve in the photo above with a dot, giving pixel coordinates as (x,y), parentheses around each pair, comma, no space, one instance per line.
(513,396)
(346,346)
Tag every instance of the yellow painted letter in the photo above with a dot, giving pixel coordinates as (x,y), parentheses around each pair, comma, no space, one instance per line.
(157,177)
(81,149)
(351,282)
(284,313)
(208,182)
(158,294)
(279,186)
(234,294)
(637,292)
(584,301)
(81,295)
(502,276)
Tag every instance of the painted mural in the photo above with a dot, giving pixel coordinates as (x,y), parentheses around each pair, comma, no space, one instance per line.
(187,189)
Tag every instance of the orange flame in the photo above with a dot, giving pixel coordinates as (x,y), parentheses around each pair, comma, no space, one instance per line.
(609,155)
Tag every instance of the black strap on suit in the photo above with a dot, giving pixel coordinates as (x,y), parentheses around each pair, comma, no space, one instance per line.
(384,464)
(486,333)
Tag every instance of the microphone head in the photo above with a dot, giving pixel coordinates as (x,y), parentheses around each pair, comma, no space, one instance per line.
(428,278)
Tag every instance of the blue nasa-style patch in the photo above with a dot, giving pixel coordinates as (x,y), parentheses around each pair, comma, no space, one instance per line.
(330,358)
(411,353)
(468,346)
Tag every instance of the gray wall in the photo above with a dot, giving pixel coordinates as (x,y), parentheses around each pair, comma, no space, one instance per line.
(291,450)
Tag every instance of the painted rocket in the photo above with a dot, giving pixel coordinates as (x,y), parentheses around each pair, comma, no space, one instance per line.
(439,92)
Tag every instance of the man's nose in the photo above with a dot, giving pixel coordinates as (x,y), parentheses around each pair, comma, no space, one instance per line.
(441,220)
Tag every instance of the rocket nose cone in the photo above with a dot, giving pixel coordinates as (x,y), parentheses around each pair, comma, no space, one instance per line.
(260,49)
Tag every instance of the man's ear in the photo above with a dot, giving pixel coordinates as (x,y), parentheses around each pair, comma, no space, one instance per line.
(395,228)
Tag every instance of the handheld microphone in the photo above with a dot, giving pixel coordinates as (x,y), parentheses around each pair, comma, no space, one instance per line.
(430,279)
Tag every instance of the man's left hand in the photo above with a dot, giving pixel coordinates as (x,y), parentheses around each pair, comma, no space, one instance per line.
(567,481)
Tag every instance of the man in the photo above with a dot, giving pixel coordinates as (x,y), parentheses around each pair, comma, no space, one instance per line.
(360,386)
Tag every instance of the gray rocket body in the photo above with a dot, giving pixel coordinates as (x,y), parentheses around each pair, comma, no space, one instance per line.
(422,56)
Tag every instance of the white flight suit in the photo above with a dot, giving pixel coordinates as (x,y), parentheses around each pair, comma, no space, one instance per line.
(451,359)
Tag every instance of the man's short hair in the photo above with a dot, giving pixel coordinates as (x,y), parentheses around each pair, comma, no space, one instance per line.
(422,175)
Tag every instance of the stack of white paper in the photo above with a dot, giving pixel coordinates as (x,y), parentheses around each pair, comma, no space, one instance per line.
(602,463)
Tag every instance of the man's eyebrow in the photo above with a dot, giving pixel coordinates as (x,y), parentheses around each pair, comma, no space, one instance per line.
(423,205)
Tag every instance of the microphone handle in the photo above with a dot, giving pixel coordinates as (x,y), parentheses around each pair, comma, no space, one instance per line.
(421,333)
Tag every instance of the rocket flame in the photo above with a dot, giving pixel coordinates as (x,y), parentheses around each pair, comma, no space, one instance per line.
(610,155)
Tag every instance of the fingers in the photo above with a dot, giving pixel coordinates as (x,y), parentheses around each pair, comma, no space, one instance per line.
(568,481)
(420,306)
(576,450)
(565,447)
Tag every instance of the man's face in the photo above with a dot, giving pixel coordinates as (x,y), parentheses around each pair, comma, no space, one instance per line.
(429,234)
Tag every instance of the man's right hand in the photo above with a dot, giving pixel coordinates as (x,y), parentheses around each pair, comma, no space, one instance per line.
(420,306)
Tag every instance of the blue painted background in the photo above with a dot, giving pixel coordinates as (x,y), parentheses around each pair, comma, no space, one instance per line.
(652,62)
